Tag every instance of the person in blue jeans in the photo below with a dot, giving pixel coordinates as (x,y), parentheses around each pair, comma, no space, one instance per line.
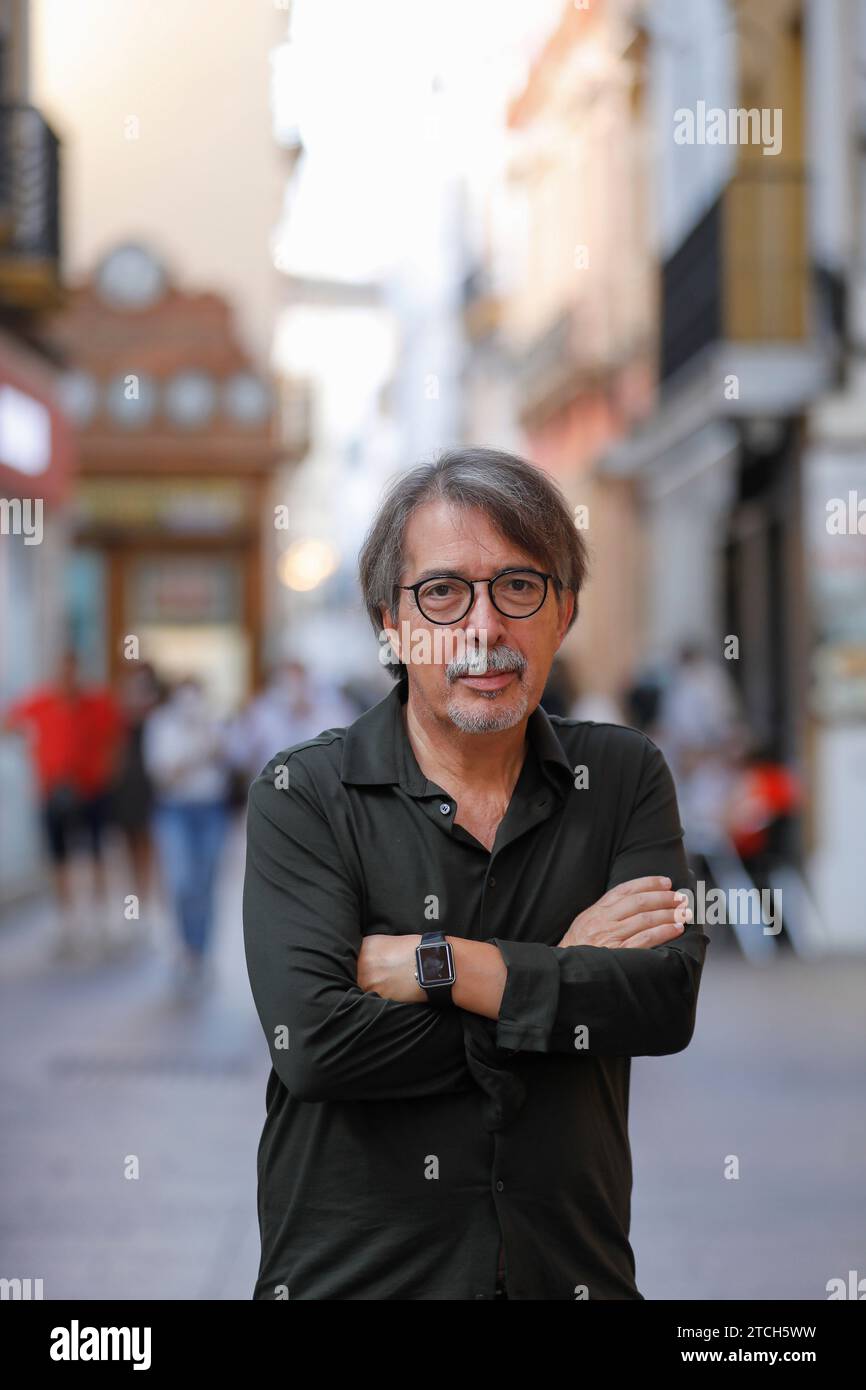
(182,749)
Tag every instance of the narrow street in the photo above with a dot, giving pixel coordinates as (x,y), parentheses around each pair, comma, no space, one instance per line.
(100,1063)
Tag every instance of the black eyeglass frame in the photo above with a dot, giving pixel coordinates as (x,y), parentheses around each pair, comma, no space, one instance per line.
(514,569)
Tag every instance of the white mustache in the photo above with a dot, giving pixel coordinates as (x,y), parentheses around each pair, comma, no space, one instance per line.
(491,665)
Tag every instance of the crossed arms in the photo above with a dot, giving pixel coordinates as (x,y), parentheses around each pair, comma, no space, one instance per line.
(323,996)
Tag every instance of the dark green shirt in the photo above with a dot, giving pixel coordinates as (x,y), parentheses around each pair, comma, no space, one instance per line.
(403,1144)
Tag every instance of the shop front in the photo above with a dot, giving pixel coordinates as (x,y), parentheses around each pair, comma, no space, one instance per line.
(168,571)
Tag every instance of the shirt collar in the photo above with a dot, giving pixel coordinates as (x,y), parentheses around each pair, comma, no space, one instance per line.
(377,751)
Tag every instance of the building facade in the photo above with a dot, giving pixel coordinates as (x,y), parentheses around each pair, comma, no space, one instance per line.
(758,238)
(178,443)
(559,309)
(37,450)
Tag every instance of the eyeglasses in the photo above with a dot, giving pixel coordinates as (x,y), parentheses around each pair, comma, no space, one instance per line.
(515,593)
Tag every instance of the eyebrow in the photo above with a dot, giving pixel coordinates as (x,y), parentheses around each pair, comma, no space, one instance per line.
(455,574)
(439,574)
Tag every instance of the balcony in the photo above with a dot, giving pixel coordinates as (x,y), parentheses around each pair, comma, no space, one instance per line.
(29,210)
(742,274)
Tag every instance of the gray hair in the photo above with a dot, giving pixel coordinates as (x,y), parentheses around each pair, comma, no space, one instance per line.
(520,500)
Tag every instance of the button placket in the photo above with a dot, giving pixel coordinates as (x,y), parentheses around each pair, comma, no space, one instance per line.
(489,882)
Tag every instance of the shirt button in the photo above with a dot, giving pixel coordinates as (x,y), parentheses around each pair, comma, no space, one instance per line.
(446,811)
(500,1186)
(492,882)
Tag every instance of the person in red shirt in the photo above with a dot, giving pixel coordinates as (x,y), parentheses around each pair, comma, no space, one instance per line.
(765,793)
(74,734)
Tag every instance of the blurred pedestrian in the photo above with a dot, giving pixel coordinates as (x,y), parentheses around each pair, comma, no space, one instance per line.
(557,696)
(293,707)
(362,692)
(75,733)
(593,705)
(140,691)
(182,749)
(642,701)
(700,707)
(701,731)
(765,797)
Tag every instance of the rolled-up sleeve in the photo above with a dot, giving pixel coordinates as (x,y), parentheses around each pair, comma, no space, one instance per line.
(622,1001)
(302,914)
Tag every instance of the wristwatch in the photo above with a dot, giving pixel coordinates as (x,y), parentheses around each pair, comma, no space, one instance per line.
(435,972)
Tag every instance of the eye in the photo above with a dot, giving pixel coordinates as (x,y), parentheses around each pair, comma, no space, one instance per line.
(440,590)
(522,583)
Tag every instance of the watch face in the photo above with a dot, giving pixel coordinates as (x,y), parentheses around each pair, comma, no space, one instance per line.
(436,964)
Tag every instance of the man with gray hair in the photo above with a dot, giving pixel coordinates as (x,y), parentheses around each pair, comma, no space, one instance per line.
(461,921)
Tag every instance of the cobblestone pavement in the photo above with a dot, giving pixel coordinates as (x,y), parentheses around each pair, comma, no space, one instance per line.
(101,1060)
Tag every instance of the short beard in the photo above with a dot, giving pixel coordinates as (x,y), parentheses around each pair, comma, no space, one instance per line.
(496,719)
(492,721)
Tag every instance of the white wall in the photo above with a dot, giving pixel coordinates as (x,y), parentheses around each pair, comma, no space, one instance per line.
(836,869)
(692,59)
(827,117)
(685,507)
(204,180)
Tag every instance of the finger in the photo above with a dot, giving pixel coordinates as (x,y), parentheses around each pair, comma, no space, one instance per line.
(636,885)
(647,902)
(656,936)
(642,921)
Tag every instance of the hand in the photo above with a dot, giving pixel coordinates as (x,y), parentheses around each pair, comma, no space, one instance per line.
(386,966)
(642,912)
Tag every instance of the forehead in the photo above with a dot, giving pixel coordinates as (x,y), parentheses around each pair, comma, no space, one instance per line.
(440,533)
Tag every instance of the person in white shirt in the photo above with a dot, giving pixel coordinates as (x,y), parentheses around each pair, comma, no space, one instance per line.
(182,749)
(702,729)
(294,706)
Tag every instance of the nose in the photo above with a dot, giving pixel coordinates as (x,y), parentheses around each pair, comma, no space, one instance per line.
(483,615)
